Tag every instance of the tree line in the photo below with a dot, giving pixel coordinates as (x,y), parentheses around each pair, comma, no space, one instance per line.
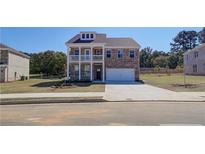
(182,42)
(48,62)
(54,62)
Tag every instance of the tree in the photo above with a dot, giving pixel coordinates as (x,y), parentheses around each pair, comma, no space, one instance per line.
(161,61)
(146,57)
(48,62)
(184,41)
(201,36)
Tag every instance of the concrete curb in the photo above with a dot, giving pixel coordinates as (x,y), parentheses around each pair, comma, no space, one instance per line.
(50,100)
(80,100)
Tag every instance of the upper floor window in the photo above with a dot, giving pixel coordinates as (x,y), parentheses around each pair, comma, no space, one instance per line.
(131,54)
(83,36)
(196,54)
(76,52)
(108,54)
(119,54)
(87,36)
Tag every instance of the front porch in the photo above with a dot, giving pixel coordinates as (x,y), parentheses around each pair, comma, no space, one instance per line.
(86,63)
(86,72)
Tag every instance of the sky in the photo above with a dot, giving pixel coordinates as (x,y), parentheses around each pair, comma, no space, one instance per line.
(36,39)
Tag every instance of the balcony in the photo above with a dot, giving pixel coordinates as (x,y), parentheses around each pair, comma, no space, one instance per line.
(97,57)
(75,58)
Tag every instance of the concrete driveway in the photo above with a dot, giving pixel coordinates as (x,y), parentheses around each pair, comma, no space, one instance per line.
(142,92)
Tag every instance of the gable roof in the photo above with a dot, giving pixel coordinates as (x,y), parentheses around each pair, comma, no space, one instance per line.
(100,38)
(109,42)
(121,42)
(14,51)
(198,48)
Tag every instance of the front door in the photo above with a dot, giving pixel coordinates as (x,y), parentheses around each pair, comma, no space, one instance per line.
(98,74)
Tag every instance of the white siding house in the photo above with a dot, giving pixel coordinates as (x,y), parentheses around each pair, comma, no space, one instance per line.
(194,61)
(13,64)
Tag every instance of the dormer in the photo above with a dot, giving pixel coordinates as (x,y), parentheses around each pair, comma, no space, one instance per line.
(87,35)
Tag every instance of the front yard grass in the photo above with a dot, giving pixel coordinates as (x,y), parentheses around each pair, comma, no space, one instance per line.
(175,82)
(46,85)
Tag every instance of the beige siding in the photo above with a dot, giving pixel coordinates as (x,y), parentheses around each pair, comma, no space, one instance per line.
(19,65)
(190,60)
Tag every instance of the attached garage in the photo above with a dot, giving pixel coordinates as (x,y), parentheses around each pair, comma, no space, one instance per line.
(120,74)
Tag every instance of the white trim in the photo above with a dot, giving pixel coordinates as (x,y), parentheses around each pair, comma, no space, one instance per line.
(110,53)
(87,50)
(89,35)
(68,63)
(103,52)
(79,64)
(76,45)
(123,47)
(122,52)
(91,65)
(133,53)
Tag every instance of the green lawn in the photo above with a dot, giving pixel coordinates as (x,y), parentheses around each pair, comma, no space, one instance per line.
(175,82)
(45,85)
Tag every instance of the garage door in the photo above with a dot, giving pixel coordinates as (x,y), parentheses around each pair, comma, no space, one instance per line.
(120,74)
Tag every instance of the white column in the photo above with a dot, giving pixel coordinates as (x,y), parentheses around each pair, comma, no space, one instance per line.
(103,52)
(91,64)
(68,64)
(79,64)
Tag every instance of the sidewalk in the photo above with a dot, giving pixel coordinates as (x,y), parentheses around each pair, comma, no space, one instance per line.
(103,96)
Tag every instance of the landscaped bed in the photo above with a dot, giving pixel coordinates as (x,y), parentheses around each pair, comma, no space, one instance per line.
(176,82)
(48,85)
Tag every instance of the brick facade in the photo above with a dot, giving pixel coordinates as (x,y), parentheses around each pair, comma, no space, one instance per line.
(113,62)
(124,62)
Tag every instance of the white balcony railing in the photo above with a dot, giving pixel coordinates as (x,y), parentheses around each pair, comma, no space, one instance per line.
(85,57)
(97,57)
(74,58)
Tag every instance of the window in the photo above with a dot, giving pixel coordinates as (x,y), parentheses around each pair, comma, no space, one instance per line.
(91,35)
(195,68)
(87,68)
(196,54)
(76,52)
(83,36)
(76,68)
(119,54)
(87,36)
(108,54)
(132,54)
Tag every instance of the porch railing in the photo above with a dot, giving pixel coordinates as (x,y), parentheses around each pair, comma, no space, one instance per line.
(97,57)
(74,58)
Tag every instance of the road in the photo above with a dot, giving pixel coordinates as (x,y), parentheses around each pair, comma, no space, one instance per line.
(104,114)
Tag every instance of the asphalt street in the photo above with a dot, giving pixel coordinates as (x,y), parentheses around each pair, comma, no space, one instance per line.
(104,114)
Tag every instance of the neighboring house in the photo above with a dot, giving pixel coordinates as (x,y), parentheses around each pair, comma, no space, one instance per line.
(13,64)
(95,57)
(194,61)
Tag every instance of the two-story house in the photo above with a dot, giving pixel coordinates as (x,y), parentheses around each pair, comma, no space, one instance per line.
(194,61)
(95,57)
(13,64)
